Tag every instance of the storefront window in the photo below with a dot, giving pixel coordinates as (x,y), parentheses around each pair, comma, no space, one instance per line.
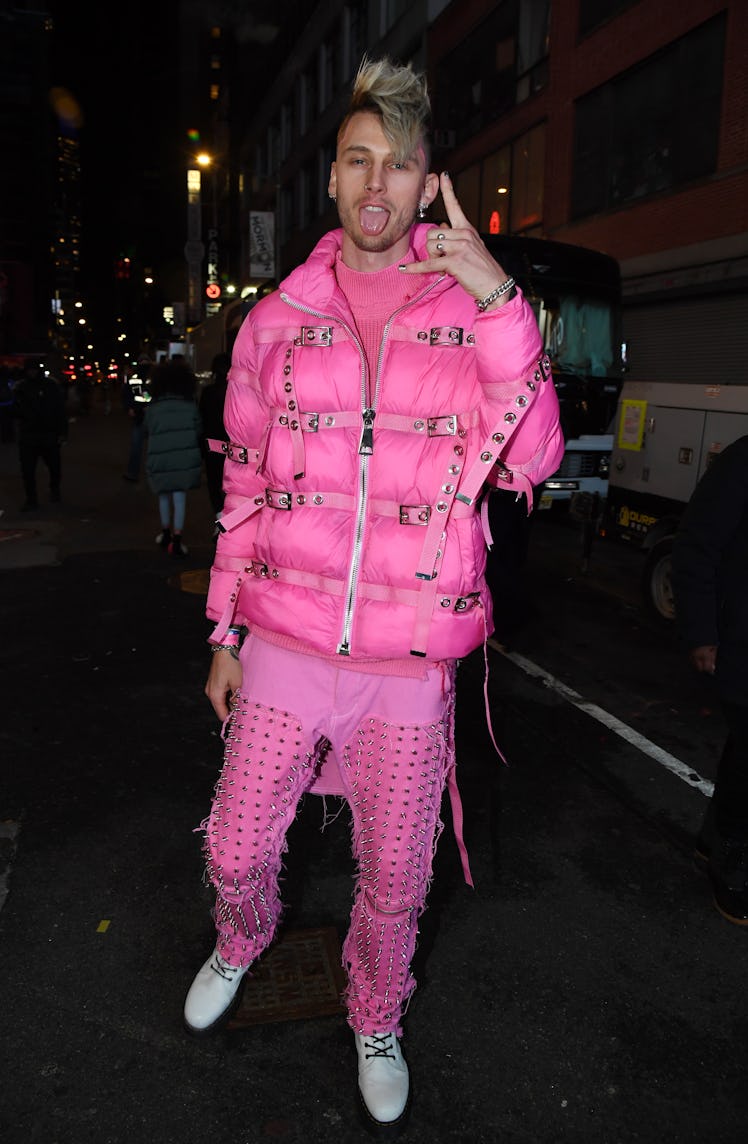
(496,187)
(504,193)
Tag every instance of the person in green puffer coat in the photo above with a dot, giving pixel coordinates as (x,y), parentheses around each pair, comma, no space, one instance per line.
(173,458)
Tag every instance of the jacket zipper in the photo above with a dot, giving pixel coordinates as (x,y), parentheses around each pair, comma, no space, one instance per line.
(365,450)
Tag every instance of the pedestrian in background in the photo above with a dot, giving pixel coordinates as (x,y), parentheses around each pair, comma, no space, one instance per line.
(212,398)
(39,409)
(509,524)
(135,399)
(368,401)
(173,461)
(710,584)
(7,428)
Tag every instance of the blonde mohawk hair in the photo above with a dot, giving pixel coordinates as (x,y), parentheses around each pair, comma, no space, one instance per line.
(399,97)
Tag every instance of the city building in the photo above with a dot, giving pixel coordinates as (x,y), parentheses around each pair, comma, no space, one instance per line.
(629,135)
(618,125)
(264,97)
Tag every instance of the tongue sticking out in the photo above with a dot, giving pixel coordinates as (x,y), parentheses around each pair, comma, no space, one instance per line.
(373,219)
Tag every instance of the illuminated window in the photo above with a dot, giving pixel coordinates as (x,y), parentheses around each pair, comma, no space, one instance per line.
(495,192)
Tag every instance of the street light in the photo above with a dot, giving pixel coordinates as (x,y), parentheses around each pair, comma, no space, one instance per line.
(213,287)
(194,251)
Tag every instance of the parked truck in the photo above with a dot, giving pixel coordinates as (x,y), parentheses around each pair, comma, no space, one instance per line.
(666,435)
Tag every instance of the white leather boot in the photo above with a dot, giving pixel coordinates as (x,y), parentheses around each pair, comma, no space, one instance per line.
(213,995)
(383,1082)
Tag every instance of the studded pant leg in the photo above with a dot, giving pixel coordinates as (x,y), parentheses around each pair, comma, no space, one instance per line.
(396,776)
(267,768)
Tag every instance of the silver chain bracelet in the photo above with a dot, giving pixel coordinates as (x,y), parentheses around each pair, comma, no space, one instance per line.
(502,289)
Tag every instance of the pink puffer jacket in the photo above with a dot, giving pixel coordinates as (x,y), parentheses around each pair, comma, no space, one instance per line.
(350,525)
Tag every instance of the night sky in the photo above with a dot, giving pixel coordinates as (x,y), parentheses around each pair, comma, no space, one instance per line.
(126,86)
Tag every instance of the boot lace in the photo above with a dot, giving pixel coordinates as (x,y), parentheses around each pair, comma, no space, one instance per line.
(223,969)
(381,1045)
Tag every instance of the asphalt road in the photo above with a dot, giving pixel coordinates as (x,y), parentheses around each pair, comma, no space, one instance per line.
(585,991)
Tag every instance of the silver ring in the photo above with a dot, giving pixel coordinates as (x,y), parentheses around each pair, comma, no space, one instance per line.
(441,237)
(439,246)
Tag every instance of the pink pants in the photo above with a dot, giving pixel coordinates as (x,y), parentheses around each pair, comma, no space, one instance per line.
(394,744)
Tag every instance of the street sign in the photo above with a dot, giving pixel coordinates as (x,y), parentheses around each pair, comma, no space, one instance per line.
(262,244)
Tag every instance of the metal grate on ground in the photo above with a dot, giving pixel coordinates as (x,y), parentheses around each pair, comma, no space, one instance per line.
(300,976)
(193,580)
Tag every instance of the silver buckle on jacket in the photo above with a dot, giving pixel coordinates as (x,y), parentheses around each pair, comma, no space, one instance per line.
(446,336)
(236,452)
(503,474)
(442,426)
(415,513)
(543,371)
(316,336)
(259,569)
(278,498)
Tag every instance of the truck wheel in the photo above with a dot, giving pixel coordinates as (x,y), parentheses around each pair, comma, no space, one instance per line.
(657,582)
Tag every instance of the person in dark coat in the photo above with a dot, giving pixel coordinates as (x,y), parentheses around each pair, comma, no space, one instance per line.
(7,428)
(173,460)
(134,399)
(211,402)
(710,584)
(39,409)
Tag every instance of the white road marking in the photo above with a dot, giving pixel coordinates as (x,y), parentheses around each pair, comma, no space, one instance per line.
(664,758)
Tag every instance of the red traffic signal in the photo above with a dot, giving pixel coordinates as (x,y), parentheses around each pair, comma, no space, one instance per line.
(213,290)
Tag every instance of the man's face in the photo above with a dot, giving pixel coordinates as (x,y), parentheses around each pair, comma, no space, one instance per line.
(377,196)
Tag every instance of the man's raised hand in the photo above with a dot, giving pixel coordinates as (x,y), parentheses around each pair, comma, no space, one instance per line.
(459,250)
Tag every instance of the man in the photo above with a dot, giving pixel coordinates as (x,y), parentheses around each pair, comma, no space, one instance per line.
(39,408)
(369,400)
(710,569)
